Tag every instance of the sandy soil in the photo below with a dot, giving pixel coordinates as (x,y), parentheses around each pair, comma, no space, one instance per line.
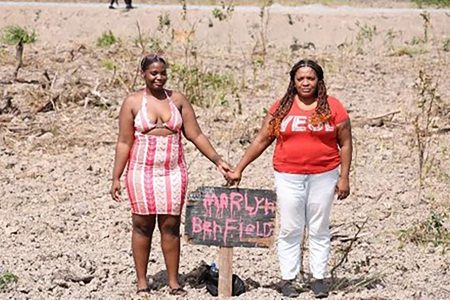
(63,236)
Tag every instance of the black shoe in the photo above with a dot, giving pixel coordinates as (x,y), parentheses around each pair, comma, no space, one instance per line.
(111,7)
(319,288)
(288,290)
(128,7)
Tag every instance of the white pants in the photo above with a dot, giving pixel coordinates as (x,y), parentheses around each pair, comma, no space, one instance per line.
(304,200)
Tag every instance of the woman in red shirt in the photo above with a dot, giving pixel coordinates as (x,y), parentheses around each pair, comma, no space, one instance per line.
(311,164)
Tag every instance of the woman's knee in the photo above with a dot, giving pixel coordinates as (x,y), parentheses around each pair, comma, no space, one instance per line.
(172,230)
(143,226)
(290,232)
(170,226)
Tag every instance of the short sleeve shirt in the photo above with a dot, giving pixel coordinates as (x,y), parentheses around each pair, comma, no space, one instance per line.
(304,148)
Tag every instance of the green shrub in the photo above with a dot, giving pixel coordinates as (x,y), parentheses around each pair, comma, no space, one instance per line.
(440,3)
(203,88)
(108,64)
(409,51)
(431,230)
(7,278)
(106,39)
(218,14)
(163,21)
(14,33)
(447,45)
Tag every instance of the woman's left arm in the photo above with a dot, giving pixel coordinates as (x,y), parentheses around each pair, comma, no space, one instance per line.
(194,134)
(344,139)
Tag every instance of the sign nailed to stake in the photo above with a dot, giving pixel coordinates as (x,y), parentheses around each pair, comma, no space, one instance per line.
(231,217)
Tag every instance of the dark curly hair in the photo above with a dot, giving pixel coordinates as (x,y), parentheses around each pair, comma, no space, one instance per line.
(322,112)
(151,58)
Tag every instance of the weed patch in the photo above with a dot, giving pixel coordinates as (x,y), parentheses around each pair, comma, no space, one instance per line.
(431,230)
(7,278)
(14,34)
(108,64)
(440,3)
(203,88)
(106,39)
(447,45)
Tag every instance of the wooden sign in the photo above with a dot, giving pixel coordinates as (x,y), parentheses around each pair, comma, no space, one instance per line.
(231,217)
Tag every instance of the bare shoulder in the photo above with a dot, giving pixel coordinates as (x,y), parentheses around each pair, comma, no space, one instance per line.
(178,98)
(133,101)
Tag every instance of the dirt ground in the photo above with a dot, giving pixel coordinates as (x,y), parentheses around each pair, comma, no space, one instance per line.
(63,236)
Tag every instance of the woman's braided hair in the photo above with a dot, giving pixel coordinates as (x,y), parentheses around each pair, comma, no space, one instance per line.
(149,59)
(322,112)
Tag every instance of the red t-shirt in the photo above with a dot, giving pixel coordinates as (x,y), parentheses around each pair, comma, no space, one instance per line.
(303,148)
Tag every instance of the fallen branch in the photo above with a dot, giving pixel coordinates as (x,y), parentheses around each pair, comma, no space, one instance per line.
(53,81)
(391,113)
(347,239)
(18,80)
(442,130)
(349,247)
(376,121)
(125,87)
(97,94)
(51,104)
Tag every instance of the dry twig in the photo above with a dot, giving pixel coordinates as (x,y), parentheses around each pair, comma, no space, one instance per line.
(349,247)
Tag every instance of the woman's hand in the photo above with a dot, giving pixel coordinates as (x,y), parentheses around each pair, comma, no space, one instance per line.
(223,167)
(116,190)
(343,188)
(233,178)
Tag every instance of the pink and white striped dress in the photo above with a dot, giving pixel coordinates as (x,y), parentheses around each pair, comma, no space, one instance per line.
(156,177)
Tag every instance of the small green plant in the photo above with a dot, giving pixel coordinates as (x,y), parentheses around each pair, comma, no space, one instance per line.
(415,41)
(203,88)
(439,3)
(224,12)
(157,45)
(365,35)
(428,102)
(184,9)
(447,45)
(14,34)
(414,47)
(106,39)
(218,14)
(7,278)
(108,64)
(257,64)
(163,21)
(431,230)
(409,50)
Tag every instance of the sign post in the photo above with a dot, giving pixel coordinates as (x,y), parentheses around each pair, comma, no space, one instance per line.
(226,271)
(230,217)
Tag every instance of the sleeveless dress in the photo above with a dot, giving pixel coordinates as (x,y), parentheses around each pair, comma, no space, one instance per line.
(156,177)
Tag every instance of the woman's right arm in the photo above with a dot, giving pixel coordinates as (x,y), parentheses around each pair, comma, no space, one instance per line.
(123,146)
(256,148)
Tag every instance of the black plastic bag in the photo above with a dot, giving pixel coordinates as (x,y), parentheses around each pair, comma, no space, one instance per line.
(212,284)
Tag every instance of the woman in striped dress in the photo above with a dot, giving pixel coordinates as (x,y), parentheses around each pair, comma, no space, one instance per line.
(151,122)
